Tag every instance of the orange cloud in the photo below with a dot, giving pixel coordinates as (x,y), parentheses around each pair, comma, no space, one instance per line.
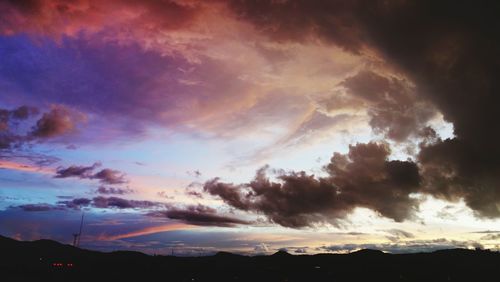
(147,231)
(25,167)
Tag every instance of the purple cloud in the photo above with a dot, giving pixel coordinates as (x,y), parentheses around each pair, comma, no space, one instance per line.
(120,203)
(105,176)
(110,176)
(112,190)
(199,215)
(76,171)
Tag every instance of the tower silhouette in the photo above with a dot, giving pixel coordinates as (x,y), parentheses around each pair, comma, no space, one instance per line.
(77,236)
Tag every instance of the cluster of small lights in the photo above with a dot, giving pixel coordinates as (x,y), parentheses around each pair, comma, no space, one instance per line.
(59,264)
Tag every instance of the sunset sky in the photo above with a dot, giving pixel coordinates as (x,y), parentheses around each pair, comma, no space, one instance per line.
(251,126)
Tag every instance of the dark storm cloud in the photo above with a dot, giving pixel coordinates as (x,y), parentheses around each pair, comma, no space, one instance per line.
(362,178)
(303,20)
(455,168)
(449,49)
(393,106)
(199,215)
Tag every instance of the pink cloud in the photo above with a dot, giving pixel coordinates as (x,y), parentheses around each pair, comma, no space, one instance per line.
(147,231)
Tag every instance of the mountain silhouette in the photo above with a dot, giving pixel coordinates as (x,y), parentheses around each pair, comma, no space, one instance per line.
(46,260)
(281,253)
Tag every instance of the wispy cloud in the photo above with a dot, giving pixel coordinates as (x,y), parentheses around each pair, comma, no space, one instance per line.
(147,231)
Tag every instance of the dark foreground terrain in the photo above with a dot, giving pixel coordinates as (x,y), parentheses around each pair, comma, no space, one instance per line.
(46,260)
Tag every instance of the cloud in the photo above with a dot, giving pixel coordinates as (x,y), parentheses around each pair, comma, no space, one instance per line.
(486,231)
(75,203)
(199,215)
(393,106)
(457,65)
(398,234)
(448,50)
(443,54)
(146,231)
(194,173)
(121,203)
(100,78)
(14,138)
(165,195)
(18,114)
(362,178)
(297,250)
(21,113)
(301,251)
(194,190)
(112,190)
(38,207)
(351,233)
(99,202)
(105,176)
(189,68)
(110,176)
(58,121)
(492,236)
(58,17)
(303,21)
(413,246)
(76,171)
(456,169)
(9,122)
(13,165)
(261,248)
(195,194)
(24,112)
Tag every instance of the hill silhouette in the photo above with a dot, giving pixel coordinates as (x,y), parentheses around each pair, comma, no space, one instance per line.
(46,260)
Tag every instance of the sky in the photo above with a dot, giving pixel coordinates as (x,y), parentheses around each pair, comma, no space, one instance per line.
(191,127)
